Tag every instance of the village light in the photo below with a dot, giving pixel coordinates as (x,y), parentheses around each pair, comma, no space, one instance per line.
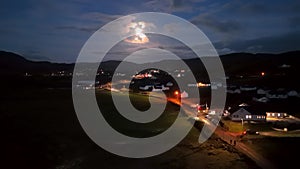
(177,94)
(262,73)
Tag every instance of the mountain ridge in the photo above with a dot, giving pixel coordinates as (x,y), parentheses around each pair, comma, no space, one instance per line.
(12,63)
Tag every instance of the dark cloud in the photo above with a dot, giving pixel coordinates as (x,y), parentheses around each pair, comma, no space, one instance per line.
(99,17)
(219,25)
(256,8)
(171,6)
(78,28)
(274,44)
(245,8)
(93,20)
(35,55)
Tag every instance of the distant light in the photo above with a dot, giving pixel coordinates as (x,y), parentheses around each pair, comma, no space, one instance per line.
(262,73)
(202,84)
(176,92)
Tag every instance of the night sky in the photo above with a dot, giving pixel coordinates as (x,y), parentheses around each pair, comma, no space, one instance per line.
(55,30)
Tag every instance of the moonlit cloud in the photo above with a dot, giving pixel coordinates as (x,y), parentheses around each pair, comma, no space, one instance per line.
(138,29)
(58,29)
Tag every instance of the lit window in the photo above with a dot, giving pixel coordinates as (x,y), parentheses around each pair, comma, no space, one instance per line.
(278,114)
(273,114)
(268,114)
(249,116)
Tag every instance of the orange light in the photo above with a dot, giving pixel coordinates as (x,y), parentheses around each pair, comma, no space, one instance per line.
(176,92)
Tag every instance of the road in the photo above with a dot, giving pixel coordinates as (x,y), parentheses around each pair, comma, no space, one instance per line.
(295,133)
(228,137)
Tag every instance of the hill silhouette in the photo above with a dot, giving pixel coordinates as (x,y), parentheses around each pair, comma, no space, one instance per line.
(279,69)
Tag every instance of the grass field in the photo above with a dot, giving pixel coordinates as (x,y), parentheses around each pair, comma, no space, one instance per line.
(40,130)
(238,127)
(233,126)
(121,124)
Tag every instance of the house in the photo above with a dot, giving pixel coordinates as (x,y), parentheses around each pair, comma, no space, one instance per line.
(277,94)
(248,88)
(184,94)
(146,88)
(154,88)
(285,66)
(276,114)
(169,84)
(262,99)
(158,88)
(244,112)
(234,91)
(292,93)
(261,92)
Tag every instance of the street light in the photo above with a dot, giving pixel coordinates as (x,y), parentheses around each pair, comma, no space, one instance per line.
(177,94)
(242,124)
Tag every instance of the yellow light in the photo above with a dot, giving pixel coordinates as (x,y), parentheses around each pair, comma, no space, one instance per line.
(176,92)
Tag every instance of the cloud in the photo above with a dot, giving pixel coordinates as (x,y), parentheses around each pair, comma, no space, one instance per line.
(270,44)
(99,17)
(224,51)
(265,8)
(78,28)
(219,25)
(245,8)
(35,55)
(170,6)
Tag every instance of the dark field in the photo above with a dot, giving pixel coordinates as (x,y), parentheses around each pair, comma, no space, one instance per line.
(40,130)
(282,152)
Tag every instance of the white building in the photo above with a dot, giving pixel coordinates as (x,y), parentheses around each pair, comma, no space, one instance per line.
(276,114)
(261,92)
(184,94)
(248,88)
(276,95)
(292,93)
(262,99)
(245,112)
(234,91)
